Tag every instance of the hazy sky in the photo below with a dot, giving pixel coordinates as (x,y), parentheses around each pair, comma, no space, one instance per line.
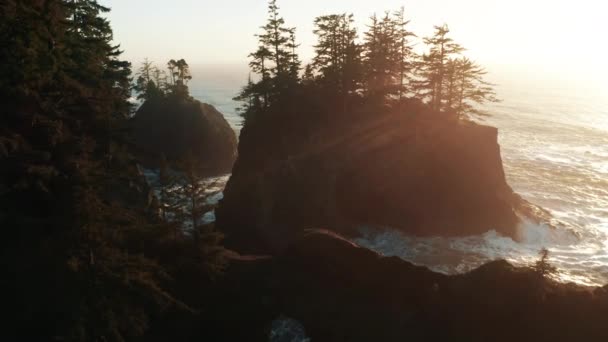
(537,35)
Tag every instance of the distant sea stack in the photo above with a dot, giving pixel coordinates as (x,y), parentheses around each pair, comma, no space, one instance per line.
(422,172)
(177,127)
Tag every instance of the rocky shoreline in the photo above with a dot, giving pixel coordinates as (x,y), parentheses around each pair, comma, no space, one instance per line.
(339,291)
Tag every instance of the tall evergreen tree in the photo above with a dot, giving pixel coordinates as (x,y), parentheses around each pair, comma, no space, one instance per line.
(153,83)
(382,58)
(251,99)
(405,55)
(275,62)
(180,75)
(149,82)
(160,78)
(294,64)
(276,38)
(337,56)
(196,192)
(260,65)
(308,77)
(433,66)
(465,87)
(85,269)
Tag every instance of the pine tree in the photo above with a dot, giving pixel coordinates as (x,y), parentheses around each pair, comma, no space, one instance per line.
(433,67)
(381,60)
(64,178)
(328,49)
(145,74)
(466,88)
(542,267)
(149,82)
(404,51)
(352,68)
(260,65)
(337,56)
(153,83)
(180,75)
(275,63)
(294,64)
(196,192)
(308,78)
(160,79)
(371,56)
(250,99)
(276,39)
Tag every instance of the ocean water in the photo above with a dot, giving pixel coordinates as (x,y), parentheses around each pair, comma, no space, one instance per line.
(554,144)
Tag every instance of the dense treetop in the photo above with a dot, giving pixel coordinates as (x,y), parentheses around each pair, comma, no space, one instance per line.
(153,82)
(379,66)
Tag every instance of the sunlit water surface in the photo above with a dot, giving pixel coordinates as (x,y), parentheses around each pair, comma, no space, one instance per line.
(554,143)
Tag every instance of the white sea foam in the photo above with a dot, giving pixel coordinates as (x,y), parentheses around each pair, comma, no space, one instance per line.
(285,329)
(213,186)
(577,261)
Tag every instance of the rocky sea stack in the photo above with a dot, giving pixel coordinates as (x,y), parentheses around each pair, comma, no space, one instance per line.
(421,172)
(175,127)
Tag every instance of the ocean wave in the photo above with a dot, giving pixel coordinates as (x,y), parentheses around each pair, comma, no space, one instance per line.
(577,259)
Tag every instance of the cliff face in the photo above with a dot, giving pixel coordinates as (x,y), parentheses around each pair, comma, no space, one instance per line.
(175,127)
(422,173)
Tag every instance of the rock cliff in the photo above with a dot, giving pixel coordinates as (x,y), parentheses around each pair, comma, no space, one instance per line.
(423,173)
(175,127)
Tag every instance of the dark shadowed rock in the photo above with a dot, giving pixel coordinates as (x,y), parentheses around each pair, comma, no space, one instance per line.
(341,292)
(175,127)
(419,172)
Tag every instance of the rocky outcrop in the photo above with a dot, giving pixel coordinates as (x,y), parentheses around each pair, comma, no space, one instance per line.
(339,291)
(177,127)
(416,171)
